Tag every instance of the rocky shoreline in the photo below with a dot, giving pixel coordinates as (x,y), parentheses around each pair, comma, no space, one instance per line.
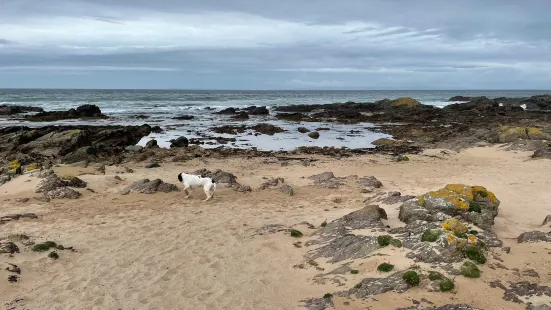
(414,127)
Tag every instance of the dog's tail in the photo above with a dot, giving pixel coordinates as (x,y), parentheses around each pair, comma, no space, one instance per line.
(180,177)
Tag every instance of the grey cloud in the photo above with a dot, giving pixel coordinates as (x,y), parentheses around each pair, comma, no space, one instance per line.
(400,43)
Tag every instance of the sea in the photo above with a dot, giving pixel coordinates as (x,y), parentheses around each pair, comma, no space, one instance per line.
(159,107)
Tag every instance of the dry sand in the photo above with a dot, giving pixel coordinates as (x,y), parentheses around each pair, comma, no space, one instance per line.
(163,252)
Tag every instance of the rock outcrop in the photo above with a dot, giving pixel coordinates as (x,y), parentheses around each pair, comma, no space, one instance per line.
(83,111)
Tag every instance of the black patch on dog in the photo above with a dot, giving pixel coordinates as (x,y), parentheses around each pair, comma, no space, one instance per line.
(180,177)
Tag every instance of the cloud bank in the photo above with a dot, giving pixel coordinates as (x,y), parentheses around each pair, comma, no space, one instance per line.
(246,44)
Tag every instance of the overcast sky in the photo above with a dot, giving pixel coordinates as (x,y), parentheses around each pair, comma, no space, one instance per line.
(285,44)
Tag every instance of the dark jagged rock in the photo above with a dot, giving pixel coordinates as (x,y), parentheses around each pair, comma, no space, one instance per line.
(525,289)
(229,129)
(467,99)
(184,117)
(241,115)
(254,110)
(267,129)
(16,109)
(83,111)
(66,141)
(303,130)
(146,186)
(179,142)
(227,111)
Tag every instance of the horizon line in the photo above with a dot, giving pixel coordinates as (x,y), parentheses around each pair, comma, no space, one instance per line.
(301,89)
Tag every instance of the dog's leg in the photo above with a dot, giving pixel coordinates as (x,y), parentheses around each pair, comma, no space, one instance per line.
(207,192)
(187,191)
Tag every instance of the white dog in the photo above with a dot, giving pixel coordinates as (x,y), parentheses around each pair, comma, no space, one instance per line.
(192,181)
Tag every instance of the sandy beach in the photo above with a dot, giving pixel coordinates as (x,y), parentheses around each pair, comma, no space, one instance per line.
(161,251)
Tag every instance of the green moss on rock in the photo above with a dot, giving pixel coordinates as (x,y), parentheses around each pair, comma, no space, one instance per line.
(384,240)
(384,267)
(430,235)
(470,270)
(396,243)
(411,278)
(295,233)
(475,253)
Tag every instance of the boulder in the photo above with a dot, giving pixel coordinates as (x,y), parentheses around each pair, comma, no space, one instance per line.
(303,130)
(179,142)
(475,203)
(370,182)
(146,186)
(52,182)
(272,183)
(152,144)
(322,177)
(314,135)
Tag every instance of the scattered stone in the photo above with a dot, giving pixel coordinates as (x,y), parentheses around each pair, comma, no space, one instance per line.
(8,248)
(530,273)
(286,189)
(243,188)
(272,182)
(303,130)
(314,135)
(546,220)
(4,179)
(13,278)
(534,236)
(525,289)
(254,110)
(506,249)
(152,165)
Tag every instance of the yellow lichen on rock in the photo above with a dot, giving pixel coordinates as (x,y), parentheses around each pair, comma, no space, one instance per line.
(14,165)
(450,198)
(405,102)
(455,226)
(33,166)
(451,238)
(461,189)
(472,239)
(537,134)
